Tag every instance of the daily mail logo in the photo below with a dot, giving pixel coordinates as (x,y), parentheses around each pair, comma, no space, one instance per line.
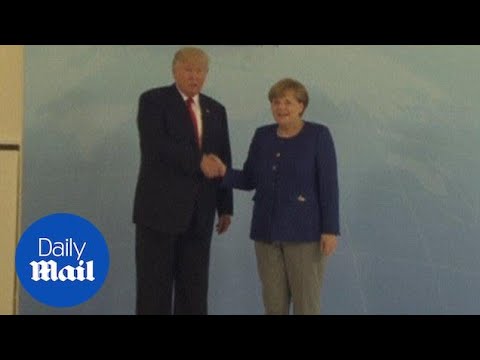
(49,271)
(62,260)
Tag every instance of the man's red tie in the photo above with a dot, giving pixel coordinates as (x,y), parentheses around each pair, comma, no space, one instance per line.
(190,102)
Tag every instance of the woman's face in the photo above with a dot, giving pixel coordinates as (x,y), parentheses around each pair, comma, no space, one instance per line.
(287,109)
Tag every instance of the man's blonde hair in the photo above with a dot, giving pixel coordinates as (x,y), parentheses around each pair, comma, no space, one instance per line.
(191,54)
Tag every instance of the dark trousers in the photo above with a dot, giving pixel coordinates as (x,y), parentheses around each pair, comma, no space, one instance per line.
(172,272)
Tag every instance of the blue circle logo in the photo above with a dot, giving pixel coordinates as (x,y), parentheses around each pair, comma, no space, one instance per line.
(62,260)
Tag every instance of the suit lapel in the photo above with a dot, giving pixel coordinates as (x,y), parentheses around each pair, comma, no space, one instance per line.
(206,122)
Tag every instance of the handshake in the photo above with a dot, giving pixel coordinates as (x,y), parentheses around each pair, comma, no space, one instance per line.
(212,166)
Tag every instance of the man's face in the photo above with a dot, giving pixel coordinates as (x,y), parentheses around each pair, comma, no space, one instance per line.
(190,76)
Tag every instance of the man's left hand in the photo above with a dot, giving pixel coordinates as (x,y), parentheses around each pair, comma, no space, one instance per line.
(223,223)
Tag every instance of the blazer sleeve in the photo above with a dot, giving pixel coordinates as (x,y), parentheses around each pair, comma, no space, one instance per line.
(244,179)
(156,146)
(225,195)
(328,182)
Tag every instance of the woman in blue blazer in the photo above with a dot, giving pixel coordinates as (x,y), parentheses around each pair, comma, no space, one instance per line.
(292,166)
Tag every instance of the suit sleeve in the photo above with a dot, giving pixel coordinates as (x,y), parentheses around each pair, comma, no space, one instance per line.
(158,149)
(225,195)
(328,182)
(243,179)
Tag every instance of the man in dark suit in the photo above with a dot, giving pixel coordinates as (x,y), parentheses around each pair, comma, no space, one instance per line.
(177,194)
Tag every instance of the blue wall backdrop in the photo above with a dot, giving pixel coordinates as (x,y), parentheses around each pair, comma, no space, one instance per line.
(405,120)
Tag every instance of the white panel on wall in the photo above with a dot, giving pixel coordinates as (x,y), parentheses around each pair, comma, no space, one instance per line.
(8,226)
(11,93)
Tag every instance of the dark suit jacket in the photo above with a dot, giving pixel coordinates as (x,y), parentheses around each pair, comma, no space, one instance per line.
(296,198)
(170,183)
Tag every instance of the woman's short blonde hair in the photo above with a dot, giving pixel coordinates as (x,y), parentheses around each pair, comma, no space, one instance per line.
(283,86)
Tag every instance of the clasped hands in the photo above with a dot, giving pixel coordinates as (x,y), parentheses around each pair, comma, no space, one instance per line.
(212,166)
